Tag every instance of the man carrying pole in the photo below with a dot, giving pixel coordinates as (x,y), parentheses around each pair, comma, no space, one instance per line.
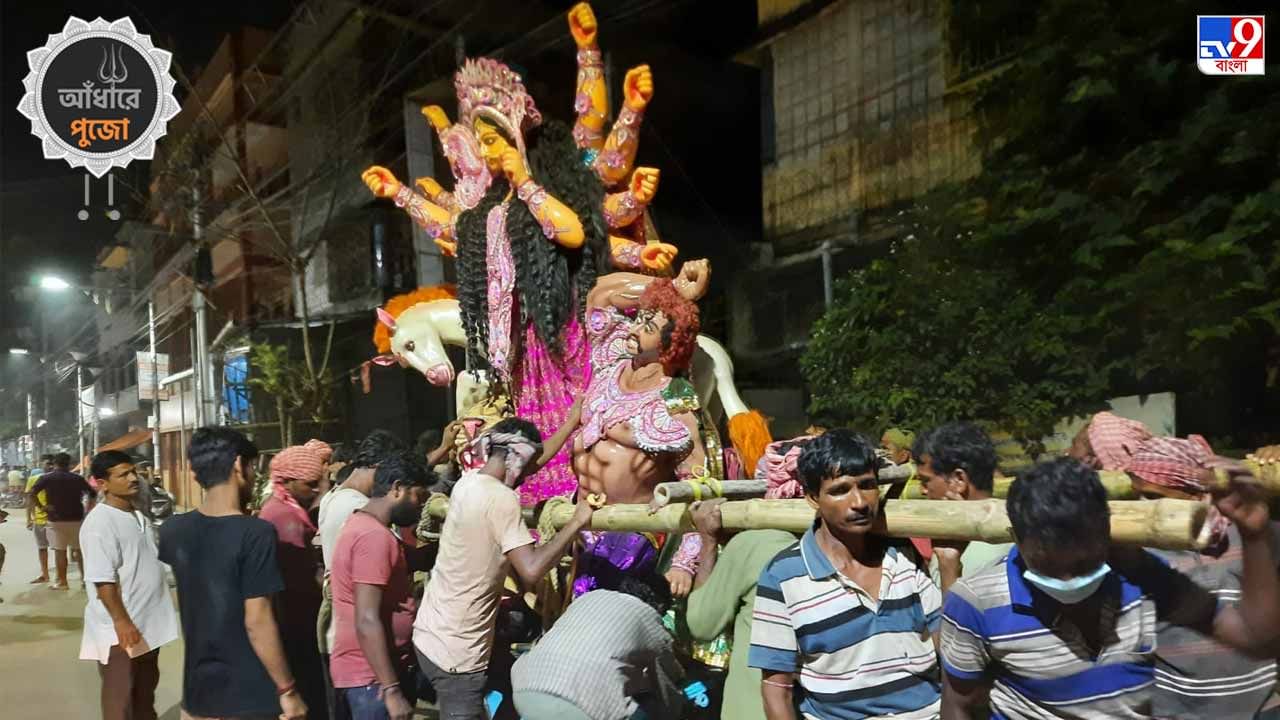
(1063,628)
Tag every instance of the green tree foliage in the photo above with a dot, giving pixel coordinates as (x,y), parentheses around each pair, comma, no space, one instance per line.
(298,394)
(1122,235)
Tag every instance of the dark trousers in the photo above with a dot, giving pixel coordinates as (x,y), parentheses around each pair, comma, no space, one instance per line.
(129,685)
(309,672)
(460,696)
(330,695)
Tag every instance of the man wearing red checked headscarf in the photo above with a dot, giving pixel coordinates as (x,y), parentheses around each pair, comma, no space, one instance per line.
(1195,676)
(296,476)
(1108,441)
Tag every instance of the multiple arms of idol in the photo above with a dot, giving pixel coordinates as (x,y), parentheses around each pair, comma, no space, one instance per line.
(612,158)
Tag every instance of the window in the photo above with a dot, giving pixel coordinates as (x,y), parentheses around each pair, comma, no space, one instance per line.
(235,386)
(768,124)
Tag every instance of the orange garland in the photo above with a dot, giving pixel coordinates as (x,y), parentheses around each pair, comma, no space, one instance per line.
(749,434)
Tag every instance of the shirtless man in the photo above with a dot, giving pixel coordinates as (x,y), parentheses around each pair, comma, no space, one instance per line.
(640,419)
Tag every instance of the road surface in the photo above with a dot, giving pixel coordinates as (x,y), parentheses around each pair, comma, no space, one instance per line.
(40,673)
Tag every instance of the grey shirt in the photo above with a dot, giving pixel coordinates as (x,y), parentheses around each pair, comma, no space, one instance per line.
(1195,676)
(607,648)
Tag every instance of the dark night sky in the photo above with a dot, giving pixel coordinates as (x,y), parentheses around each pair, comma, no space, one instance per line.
(39,198)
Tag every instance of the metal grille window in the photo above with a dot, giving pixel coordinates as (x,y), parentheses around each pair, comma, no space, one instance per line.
(350,273)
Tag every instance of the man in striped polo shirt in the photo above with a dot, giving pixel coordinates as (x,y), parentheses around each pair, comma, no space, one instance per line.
(845,622)
(1066,626)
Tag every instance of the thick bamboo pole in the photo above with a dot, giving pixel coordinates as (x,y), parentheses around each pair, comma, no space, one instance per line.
(684,492)
(1166,524)
(1267,477)
(1116,483)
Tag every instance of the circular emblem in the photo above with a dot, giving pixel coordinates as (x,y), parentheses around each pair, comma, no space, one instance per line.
(99,95)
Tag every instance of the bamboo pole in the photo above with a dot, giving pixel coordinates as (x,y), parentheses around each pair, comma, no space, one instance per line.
(1117,485)
(684,492)
(1166,524)
(1267,477)
(690,491)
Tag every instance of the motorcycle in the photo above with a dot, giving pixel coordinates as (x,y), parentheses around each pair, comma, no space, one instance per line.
(155,502)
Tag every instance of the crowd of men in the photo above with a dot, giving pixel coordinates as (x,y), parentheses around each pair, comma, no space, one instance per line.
(307,607)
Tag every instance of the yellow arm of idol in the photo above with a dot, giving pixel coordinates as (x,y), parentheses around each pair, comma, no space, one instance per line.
(628,255)
(428,186)
(560,224)
(435,220)
(619,155)
(591,101)
(432,191)
(623,208)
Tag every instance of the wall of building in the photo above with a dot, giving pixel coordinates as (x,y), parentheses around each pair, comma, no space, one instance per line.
(864,110)
(863,116)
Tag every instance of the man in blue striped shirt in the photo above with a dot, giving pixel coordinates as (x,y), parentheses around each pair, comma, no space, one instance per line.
(1066,626)
(845,623)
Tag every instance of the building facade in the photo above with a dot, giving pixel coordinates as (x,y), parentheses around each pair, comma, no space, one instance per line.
(867,105)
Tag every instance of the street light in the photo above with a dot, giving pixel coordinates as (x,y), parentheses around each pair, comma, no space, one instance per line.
(19,351)
(42,423)
(106,412)
(53,282)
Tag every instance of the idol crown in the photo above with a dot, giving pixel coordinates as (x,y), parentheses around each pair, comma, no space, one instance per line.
(488,83)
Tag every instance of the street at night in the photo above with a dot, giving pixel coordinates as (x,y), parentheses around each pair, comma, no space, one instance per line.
(639,360)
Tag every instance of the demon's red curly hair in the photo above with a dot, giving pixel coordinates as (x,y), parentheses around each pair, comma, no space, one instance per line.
(680,337)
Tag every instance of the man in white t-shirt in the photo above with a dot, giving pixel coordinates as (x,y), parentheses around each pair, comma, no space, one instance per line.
(130,614)
(484,539)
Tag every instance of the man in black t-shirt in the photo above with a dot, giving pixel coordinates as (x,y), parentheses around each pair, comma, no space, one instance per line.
(225,564)
(65,493)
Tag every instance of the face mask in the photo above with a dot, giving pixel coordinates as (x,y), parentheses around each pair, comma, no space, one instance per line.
(1072,591)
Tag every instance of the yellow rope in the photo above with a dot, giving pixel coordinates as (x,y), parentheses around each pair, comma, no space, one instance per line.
(699,478)
(715,485)
(546,529)
(429,528)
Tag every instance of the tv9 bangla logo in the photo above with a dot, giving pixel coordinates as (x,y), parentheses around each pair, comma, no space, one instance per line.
(1231,44)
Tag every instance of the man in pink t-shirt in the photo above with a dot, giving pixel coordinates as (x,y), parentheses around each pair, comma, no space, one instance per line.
(372,665)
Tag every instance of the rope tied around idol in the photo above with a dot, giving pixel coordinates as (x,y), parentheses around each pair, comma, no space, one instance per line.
(430,526)
(546,526)
(546,529)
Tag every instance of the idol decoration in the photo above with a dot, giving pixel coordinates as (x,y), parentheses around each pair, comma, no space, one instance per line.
(536,213)
(528,221)
(641,421)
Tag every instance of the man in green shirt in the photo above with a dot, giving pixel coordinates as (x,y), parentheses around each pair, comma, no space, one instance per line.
(957,461)
(724,592)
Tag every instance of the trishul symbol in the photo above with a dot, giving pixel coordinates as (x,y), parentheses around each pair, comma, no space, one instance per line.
(117,73)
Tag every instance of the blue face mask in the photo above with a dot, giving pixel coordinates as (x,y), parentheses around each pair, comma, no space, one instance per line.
(1071,591)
